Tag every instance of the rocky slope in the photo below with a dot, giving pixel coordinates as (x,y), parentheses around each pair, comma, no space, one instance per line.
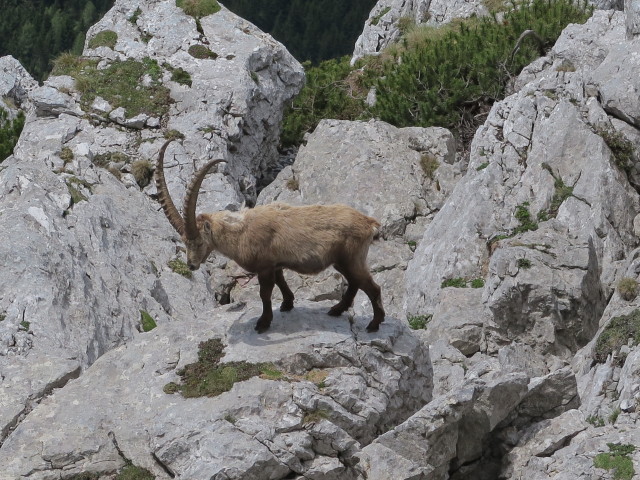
(510,379)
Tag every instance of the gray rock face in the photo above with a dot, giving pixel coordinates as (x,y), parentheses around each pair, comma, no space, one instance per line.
(84,251)
(260,429)
(531,145)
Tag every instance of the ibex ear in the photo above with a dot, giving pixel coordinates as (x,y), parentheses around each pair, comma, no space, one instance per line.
(207,227)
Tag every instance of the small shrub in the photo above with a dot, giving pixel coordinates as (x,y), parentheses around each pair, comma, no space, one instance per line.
(142,171)
(179,267)
(418,322)
(146,321)
(429,164)
(616,334)
(454,282)
(106,38)
(595,420)
(202,52)
(198,8)
(66,154)
(524,263)
(477,283)
(628,288)
(617,460)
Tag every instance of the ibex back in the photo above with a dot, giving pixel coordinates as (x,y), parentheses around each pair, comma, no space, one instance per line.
(267,239)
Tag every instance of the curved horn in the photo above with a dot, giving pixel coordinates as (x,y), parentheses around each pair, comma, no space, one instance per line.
(189,209)
(168,206)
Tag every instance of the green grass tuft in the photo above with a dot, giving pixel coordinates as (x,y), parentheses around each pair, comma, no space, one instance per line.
(147,322)
(179,267)
(454,282)
(616,334)
(198,8)
(202,52)
(617,460)
(208,377)
(106,38)
(418,322)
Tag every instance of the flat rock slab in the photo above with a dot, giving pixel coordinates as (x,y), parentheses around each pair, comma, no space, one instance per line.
(117,410)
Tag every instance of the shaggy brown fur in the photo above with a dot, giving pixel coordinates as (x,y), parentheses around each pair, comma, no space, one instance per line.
(266,239)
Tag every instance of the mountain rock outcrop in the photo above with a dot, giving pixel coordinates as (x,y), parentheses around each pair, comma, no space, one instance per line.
(510,279)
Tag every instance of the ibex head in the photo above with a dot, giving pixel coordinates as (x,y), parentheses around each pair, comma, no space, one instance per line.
(195,232)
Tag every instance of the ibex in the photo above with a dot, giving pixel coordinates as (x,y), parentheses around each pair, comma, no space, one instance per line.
(266,239)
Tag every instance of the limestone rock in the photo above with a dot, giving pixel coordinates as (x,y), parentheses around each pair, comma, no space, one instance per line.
(261,428)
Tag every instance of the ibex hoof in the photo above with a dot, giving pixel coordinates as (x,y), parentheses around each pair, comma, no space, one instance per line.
(286,306)
(374,326)
(335,311)
(262,327)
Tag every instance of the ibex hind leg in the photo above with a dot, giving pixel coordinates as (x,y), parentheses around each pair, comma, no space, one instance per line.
(372,289)
(347,298)
(287,294)
(267,281)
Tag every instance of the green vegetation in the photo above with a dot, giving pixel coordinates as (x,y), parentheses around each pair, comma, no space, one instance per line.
(131,472)
(562,192)
(198,8)
(179,75)
(10,131)
(329,92)
(622,148)
(616,334)
(134,18)
(173,135)
(202,52)
(429,164)
(66,154)
(3,315)
(482,166)
(477,283)
(446,77)
(613,416)
(595,420)
(142,171)
(36,31)
(74,185)
(618,460)
(105,159)
(376,19)
(418,322)
(208,377)
(25,325)
(458,282)
(628,288)
(523,215)
(120,84)
(179,267)
(524,263)
(106,38)
(146,321)
(293,184)
(315,416)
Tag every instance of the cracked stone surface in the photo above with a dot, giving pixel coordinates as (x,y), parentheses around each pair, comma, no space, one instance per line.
(76,274)
(262,429)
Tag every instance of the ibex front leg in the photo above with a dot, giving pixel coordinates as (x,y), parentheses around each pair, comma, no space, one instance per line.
(267,280)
